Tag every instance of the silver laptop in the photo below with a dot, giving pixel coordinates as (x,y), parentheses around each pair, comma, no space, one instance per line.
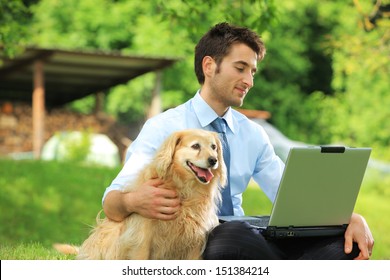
(317,193)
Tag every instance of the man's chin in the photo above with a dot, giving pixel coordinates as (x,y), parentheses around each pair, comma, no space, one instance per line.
(239,103)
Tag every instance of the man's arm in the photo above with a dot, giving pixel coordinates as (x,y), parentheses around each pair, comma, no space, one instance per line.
(359,232)
(152,200)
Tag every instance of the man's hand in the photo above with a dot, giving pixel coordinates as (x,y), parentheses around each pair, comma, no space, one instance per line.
(155,201)
(359,232)
(152,200)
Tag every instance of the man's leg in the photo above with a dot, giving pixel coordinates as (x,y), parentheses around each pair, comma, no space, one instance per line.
(316,248)
(238,241)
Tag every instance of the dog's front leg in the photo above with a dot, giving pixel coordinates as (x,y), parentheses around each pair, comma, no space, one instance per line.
(136,241)
(139,251)
(143,253)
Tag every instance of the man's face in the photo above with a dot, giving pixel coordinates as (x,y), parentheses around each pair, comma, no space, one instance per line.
(234,76)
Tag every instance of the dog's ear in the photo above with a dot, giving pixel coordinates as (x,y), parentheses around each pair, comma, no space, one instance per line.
(166,152)
(221,171)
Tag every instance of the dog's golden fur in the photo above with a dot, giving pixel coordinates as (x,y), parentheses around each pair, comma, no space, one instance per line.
(184,162)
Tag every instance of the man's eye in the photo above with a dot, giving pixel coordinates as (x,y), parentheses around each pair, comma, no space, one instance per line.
(240,69)
(195,146)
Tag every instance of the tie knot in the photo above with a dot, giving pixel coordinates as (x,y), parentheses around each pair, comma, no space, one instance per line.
(219,124)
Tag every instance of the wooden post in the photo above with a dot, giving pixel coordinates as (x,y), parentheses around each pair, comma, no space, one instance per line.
(38,111)
(99,102)
(155,106)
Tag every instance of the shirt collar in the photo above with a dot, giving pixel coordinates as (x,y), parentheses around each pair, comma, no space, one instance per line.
(207,115)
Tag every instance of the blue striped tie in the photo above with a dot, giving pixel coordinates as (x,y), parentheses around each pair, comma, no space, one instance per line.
(226,209)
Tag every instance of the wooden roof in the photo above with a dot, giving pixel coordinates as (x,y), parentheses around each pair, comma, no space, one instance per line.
(71,75)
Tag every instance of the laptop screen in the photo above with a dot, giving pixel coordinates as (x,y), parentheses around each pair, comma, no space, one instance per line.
(319,186)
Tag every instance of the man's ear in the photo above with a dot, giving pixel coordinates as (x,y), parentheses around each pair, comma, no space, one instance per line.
(208,66)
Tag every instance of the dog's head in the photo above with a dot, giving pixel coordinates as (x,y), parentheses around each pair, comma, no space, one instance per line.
(192,154)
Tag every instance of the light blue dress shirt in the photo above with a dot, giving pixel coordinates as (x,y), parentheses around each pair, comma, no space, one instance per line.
(252,154)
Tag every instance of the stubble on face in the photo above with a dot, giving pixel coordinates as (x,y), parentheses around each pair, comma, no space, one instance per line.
(229,81)
(233,77)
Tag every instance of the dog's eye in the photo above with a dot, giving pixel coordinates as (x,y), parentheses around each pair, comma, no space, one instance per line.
(213,147)
(195,146)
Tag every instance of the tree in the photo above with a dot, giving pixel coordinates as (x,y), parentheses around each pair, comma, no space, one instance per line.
(324,78)
(156,27)
(362,69)
(14,19)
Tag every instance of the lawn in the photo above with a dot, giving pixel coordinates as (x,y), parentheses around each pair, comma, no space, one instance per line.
(47,202)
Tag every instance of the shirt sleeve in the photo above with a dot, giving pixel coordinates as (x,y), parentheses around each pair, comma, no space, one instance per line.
(138,155)
(269,169)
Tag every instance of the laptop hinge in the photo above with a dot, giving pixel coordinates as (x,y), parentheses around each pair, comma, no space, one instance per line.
(332,149)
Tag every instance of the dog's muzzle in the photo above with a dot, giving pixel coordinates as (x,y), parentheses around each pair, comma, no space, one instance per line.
(203,174)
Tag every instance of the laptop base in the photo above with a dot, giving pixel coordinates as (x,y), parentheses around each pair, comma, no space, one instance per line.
(297,232)
(274,232)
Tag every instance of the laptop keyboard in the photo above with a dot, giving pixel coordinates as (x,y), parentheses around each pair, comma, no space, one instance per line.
(259,222)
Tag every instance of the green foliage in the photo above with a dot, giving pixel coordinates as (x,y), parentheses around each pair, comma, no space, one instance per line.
(83,24)
(128,102)
(294,72)
(85,105)
(78,149)
(324,78)
(14,19)
(362,70)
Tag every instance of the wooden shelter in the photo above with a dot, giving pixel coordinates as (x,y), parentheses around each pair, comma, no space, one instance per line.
(53,77)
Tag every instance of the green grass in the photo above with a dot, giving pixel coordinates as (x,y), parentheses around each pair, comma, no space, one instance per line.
(47,202)
(255,202)
(31,251)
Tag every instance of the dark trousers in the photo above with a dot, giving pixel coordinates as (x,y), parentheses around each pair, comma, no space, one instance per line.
(240,241)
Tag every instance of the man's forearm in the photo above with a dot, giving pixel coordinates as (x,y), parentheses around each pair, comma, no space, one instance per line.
(115,205)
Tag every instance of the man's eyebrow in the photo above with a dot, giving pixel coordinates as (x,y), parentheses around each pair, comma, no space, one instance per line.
(246,64)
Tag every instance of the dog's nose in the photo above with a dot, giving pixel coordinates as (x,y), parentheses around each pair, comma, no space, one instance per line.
(212,161)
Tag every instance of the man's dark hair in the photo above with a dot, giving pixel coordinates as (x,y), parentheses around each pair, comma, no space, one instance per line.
(217,42)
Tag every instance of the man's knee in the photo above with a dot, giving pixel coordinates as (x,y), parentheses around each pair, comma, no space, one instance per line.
(237,240)
(331,248)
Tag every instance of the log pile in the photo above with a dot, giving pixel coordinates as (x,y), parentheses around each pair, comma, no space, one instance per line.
(16,127)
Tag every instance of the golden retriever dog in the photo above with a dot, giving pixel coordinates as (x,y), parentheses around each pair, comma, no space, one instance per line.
(190,162)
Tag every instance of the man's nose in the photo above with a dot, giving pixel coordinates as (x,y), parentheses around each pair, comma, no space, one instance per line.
(248,80)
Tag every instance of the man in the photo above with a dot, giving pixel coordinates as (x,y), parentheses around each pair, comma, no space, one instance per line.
(225,62)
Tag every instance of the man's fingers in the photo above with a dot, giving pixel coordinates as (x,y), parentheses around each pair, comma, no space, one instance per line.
(163,189)
(364,251)
(167,213)
(168,210)
(167,193)
(348,244)
(165,217)
(155,182)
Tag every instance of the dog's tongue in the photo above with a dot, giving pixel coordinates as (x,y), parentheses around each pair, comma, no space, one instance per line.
(203,173)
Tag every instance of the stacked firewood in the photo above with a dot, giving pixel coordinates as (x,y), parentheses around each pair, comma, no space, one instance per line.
(16,127)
